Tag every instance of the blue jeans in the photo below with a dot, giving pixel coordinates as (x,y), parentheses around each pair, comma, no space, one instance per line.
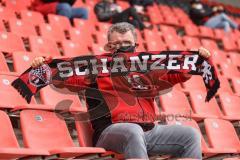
(67,10)
(221,21)
(133,142)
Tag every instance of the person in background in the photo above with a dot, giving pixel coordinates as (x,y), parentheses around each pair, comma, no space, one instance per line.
(143,3)
(110,11)
(60,7)
(211,17)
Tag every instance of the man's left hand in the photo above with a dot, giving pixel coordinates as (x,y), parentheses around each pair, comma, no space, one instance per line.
(204,52)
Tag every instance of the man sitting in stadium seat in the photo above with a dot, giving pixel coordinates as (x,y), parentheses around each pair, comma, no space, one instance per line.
(109,11)
(124,128)
(60,7)
(211,17)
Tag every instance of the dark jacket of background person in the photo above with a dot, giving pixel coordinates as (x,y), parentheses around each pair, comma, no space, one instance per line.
(103,11)
(143,3)
(200,16)
(48,6)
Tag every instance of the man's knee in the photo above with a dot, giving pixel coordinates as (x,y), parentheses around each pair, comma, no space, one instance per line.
(194,135)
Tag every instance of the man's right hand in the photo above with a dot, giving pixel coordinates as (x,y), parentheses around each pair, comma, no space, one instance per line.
(38,61)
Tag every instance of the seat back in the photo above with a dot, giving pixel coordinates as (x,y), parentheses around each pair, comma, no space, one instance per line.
(45,130)
(7,136)
(221,134)
(85,133)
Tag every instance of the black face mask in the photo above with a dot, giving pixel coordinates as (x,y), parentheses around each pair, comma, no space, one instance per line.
(125,49)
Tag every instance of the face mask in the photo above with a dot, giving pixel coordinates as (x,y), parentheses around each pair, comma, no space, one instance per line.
(125,49)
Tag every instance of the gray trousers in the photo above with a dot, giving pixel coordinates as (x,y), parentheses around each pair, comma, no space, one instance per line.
(133,142)
(221,21)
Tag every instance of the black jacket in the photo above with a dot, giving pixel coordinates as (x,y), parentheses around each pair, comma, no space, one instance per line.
(103,12)
(71,2)
(199,16)
(143,3)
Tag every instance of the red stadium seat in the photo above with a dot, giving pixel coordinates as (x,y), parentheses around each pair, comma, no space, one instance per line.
(9,147)
(98,49)
(53,97)
(84,132)
(222,135)
(77,36)
(74,49)
(229,44)
(194,83)
(209,44)
(103,27)
(154,15)
(218,57)
(234,58)
(206,32)
(191,42)
(236,85)
(6,13)
(43,46)
(168,30)
(18,5)
(22,60)
(86,25)
(3,64)
(191,30)
(202,108)
(51,32)
(224,85)
(2,27)
(22,28)
(58,21)
(230,106)
(156,45)
(10,42)
(101,39)
(35,18)
(175,102)
(46,130)
(219,33)
(229,70)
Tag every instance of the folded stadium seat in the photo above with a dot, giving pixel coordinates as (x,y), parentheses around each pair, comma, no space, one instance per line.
(6,13)
(103,27)
(191,29)
(22,28)
(233,158)
(35,18)
(73,49)
(176,46)
(234,58)
(154,41)
(9,147)
(10,42)
(22,60)
(97,49)
(224,85)
(175,102)
(168,30)
(3,64)
(44,46)
(171,19)
(52,96)
(238,43)
(219,33)
(46,130)
(229,44)
(85,25)
(191,42)
(194,83)
(77,36)
(206,32)
(18,5)
(222,135)
(229,70)
(101,39)
(155,15)
(230,106)
(204,109)
(51,32)
(2,27)
(140,48)
(58,21)
(219,56)
(209,44)
(236,85)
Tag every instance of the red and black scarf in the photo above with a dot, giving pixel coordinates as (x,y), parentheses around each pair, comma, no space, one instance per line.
(33,79)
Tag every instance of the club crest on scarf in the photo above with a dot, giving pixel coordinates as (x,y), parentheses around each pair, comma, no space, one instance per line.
(40,76)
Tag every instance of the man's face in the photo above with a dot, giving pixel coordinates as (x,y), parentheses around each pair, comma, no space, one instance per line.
(117,40)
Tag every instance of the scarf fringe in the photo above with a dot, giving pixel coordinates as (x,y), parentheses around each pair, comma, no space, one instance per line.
(212,91)
(23,89)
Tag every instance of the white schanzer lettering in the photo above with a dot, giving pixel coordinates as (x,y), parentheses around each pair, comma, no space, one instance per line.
(134,63)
